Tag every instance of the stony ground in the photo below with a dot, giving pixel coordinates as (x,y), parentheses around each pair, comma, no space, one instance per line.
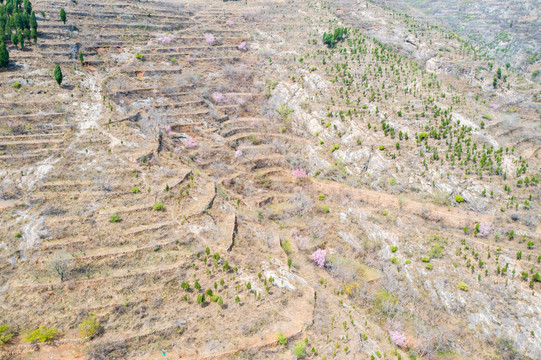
(223,144)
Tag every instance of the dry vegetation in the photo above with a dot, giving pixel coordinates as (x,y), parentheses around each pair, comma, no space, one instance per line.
(212,180)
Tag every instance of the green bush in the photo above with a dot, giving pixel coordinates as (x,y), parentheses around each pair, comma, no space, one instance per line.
(436,252)
(40,335)
(286,245)
(282,340)
(135,190)
(185,285)
(299,349)
(89,328)
(17,85)
(459,199)
(425,259)
(463,286)
(200,299)
(139,56)
(5,334)
(394,249)
(158,206)
(429,267)
(325,209)
(115,218)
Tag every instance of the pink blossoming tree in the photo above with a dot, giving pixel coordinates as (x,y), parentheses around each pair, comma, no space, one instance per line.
(299,174)
(190,143)
(209,38)
(318,257)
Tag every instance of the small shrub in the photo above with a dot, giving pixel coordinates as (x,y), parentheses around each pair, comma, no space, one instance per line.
(5,334)
(325,209)
(135,190)
(139,56)
(89,328)
(281,338)
(16,85)
(321,197)
(436,252)
(200,299)
(429,267)
(463,286)
(459,199)
(40,335)
(115,218)
(300,349)
(158,206)
(18,234)
(394,249)
(286,245)
(425,259)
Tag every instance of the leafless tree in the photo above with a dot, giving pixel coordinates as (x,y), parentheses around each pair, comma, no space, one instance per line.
(61,263)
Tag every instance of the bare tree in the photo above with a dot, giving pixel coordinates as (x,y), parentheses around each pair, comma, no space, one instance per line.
(61,263)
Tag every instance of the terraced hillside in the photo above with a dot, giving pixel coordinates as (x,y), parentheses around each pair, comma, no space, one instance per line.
(212,181)
(504,30)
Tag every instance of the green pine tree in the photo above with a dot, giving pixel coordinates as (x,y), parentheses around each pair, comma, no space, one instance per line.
(58,74)
(4,55)
(63,15)
(33,21)
(14,39)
